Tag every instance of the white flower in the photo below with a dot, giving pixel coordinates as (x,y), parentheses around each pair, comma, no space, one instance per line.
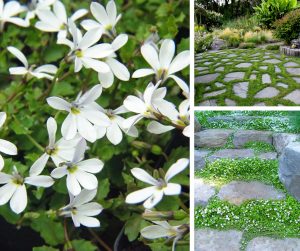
(152,195)
(57,21)
(114,130)
(5,146)
(78,171)
(150,103)
(162,63)
(84,52)
(60,151)
(116,68)
(35,6)
(45,71)
(81,211)
(107,18)
(15,189)
(83,114)
(8,12)
(179,119)
(163,229)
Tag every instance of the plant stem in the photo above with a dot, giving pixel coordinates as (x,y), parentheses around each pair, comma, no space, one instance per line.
(184,207)
(33,141)
(67,239)
(101,242)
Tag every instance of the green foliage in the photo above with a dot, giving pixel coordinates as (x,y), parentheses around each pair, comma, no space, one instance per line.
(80,245)
(209,19)
(260,147)
(271,10)
(246,23)
(288,27)
(247,45)
(272,47)
(203,41)
(44,248)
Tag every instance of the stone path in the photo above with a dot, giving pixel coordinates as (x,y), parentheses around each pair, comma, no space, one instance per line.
(210,145)
(247,77)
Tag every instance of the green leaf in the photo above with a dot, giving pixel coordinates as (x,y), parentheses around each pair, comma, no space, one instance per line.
(83,245)
(133,227)
(44,248)
(103,189)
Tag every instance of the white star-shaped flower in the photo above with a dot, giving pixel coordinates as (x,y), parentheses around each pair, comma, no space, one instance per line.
(57,21)
(8,14)
(163,63)
(116,68)
(84,113)
(159,187)
(15,189)
(107,18)
(81,209)
(45,71)
(5,146)
(35,6)
(114,130)
(84,52)
(79,172)
(60,151)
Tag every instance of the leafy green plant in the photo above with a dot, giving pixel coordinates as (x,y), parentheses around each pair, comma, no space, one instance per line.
(271,10)
(203,41)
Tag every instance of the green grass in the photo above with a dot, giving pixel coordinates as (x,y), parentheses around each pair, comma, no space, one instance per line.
(260,147)
(255,85)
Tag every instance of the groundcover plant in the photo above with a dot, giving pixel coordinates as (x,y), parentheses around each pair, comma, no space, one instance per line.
(94,125)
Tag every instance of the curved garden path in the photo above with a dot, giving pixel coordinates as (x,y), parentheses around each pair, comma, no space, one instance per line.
(247,77)
(245,188)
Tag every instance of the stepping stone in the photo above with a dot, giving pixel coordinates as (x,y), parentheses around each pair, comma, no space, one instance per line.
(270,244)
(260,104)
(197,125)
(266,79)
(212,138)
(282,85)
(208,63)
(280,77)
(253,77)
(240,138)
(213,94)
(201,68)
(294,96)
(219,85)
(207,78)
(241,89)
(269,155)
(297,80)
(234,76)
(237,192)
(290,64)
(203,192)
(225,60)
(272,61)
(243,65)
(220,69)
(277,69)
(200,158)
(207,88)
(215,240)
(263,67)
(230,102)
(211,102)
(289,169)
(268,92)
(232,154)
(293,71)
(281,140)
(231,55)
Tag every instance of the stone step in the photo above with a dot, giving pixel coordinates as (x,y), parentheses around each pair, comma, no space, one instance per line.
(241,118)
(270,244)
(237,192)
(199,157)
(203,192)
(212,138)
(240,138)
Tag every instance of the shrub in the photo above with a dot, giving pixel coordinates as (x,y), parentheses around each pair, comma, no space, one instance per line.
(233,37)
(203,41)
(258,37)
(273,47)
(271,10)
(288,27)
(246,23)
(209,18)
(247,45)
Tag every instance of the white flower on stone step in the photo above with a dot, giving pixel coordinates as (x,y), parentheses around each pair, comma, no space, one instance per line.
(60,151)
(84,50)
(45,71)
(179,118)
(84,113)
(15,189)
(8,14)
(116,68)
(81,209)
(113,132)
(163,229)
(150,103)
(35,6)
(107,18)
(5,146)
(159,187)
(79,172)
(57,21)
(163,64)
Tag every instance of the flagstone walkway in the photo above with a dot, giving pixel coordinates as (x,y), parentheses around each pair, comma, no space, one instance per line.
(251,77)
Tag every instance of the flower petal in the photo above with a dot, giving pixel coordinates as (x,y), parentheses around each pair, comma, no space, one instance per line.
(154,232)
(86,129)
(90,209)
(6,192)
(176,168)
(2,118)
(18,54)
(91,95)
(181,61)
(18,201)
(90,37)
(154,199)
(99,13)
(18,70)
(8,147)
(114,133)
(106,79)
(69,127)
(140,195)
(96,65)
(166,53)
(135,104)
(119,41)
(39,165)
(98,51)
(59,104)
(79,14)
(172,189)
(59,172)
(119,70)
(51,127)
(73,185)
(87,221)
(90,24)
(60,11)
(5,178)
(86,180)
(151,56)
(143,176)
(91,165)
(158,128)
(40,181)
(142,73)
(84,197)
(181,84)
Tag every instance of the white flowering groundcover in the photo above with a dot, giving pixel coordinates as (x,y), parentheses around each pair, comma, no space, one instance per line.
(95,123)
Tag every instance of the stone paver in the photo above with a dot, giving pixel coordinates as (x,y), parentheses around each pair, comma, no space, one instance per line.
(215,240)
(240,138)
(234,76)
(232,154)
(207,78)
(268,92)
(237,192)
(270,244)
(241,89)
(200,158)
(203,192)
(266,79)
(294,96)
(212,138)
